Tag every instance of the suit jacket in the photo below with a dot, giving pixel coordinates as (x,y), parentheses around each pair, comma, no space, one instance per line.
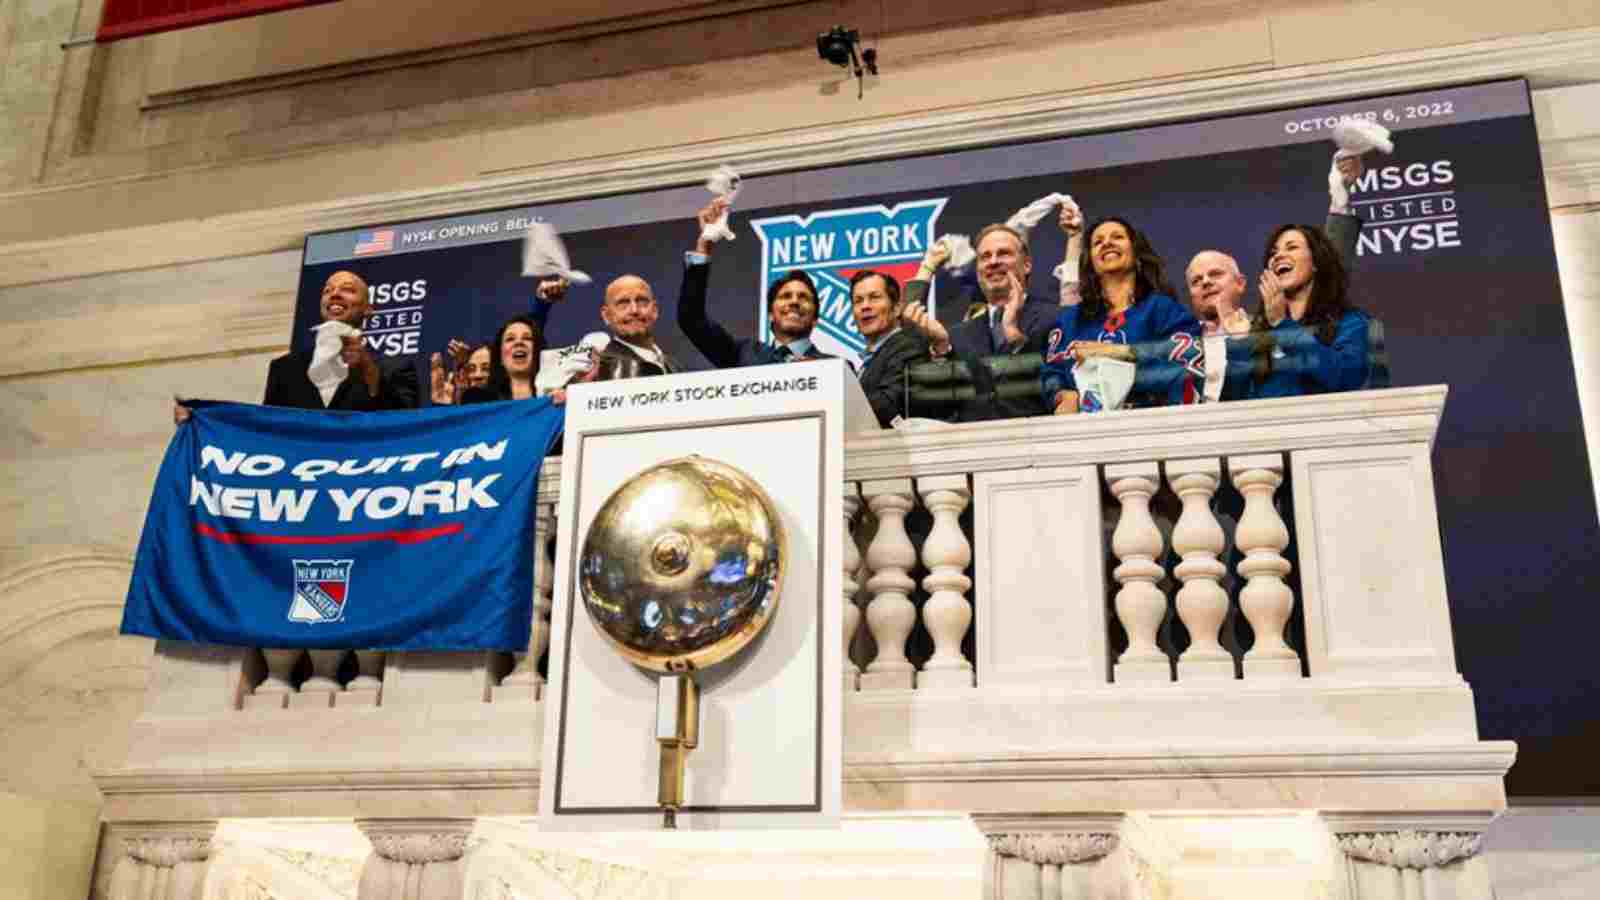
(624,358)
(883,378)
(970,341)
(288,385)
(723,349)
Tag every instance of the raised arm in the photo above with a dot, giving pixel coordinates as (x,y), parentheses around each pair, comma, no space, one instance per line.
(708,336)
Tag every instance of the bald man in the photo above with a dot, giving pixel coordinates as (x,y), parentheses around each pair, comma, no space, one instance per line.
(630,312)
(370,384)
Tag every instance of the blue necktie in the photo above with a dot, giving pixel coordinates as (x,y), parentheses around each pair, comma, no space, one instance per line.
(866,360)
(782,353)
(997,330)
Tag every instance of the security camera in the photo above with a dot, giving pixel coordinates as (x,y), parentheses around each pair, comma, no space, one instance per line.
(838,46)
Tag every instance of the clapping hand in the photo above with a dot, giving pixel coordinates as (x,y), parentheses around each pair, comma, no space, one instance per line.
(1273,302)
(441,383)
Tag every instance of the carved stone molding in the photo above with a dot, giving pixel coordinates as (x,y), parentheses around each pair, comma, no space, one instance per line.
(1054,848)
(167,851)
(1412,849)
(419,848)
(418,841)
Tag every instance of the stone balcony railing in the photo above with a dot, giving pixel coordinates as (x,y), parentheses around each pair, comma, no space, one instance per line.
(1227,607)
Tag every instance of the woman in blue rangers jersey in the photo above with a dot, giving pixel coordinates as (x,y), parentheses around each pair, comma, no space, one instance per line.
(1126,312)
(1306,338)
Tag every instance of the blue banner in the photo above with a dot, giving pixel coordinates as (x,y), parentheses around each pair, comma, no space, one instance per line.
(273,527)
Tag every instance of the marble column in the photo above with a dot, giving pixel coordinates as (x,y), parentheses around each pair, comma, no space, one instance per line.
(163,861)
(1413,865)
(1055,865)
(415,859)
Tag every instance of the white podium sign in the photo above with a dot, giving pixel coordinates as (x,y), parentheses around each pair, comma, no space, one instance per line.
(769,744)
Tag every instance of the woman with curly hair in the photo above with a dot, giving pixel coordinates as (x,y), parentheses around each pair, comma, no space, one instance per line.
(513,363)
(1305,338)
(1126,312)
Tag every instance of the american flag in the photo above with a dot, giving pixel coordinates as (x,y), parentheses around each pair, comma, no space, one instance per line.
(374,242)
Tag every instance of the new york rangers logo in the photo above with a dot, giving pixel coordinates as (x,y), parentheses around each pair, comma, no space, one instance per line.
(835,244)
(321,587)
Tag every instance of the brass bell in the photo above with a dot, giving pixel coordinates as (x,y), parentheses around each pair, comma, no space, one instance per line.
(680,570)
(682,564)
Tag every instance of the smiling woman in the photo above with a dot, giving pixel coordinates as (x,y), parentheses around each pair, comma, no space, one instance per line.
(1306,338)
(1127,313)
(513,363)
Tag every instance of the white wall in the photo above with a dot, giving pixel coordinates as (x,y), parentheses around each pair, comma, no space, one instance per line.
(1577,235)
(1545,853)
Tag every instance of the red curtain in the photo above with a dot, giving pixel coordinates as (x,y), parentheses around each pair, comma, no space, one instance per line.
(130,18)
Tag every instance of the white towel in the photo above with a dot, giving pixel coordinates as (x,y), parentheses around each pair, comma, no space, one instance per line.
(961,252)
(1354,137)
(544,255)
(1031,215)
(328,368)
(724,183)
(560,366)
(1103,382)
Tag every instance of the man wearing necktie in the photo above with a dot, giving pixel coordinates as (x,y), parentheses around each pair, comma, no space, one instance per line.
(1015,323)
(791,311)
(875,304)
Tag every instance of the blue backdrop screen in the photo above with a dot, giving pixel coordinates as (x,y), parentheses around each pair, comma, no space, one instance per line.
(1456,259)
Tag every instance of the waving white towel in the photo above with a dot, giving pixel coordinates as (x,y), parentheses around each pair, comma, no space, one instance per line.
(544,255)
(327,367)
(724,183)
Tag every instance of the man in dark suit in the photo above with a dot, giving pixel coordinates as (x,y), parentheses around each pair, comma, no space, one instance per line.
(791,312)
(369,385)
(630,312)
(876,304)
(1013,322)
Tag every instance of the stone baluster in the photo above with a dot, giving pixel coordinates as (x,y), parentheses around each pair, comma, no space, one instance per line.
(366,689)
(415,859)
(1265,600)
(946,553)
(851,563)
(1198,538)
(166,861)
(320,689)
(274,692)
(890,613)
(524,680)
(1141,605)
